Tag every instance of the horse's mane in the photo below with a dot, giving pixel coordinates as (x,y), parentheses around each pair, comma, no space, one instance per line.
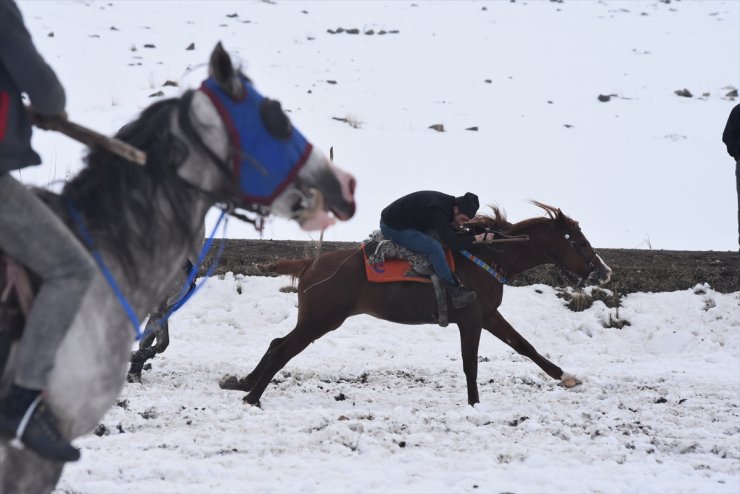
(117,196)
(497,220)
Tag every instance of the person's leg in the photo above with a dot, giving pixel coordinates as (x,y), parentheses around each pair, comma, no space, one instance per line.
(420,242)
(424,244)
(35,237)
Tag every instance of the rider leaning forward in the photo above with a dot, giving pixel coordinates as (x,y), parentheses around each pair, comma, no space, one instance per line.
(33,235)
(408,221)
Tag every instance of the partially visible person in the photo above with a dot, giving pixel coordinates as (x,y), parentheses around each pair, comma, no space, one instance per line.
(34,236)
(408,221)
(731,138)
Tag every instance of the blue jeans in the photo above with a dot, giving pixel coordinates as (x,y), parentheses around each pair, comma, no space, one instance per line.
(423,244)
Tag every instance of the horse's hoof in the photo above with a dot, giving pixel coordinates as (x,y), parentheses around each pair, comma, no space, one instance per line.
(134,378)
(569,381)
(234,383)
(257,405)
(228,382)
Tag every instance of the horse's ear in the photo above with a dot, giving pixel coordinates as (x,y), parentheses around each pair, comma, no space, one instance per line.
(564,218)
(221,69)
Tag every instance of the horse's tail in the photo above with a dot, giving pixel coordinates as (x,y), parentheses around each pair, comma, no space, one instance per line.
(295,267)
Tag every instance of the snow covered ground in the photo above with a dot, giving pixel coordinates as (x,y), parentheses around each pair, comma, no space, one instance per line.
(658,410)
(646,169)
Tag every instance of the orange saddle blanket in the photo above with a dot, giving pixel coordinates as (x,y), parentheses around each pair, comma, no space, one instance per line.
(392,270)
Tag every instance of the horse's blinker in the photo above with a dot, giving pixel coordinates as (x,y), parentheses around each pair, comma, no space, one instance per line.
(268,152)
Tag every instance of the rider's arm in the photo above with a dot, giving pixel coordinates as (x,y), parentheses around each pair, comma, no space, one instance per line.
(30,73)
(441,225)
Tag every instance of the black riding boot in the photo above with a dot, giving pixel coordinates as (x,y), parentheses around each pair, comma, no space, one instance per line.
(461,295)
(26,419)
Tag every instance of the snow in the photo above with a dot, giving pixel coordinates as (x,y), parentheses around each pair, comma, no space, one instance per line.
(645,170)
(657,410)
(658,407)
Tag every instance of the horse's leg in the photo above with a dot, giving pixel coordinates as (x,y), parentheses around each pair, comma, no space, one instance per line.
(245,384)
(154,330)
(280,352)
(24,472)
(469,323)
(147,349)
(500,327)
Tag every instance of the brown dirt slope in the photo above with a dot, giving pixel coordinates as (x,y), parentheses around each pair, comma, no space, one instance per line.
(634,270)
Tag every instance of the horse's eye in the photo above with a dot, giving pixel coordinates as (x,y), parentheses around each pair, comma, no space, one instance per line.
(274,119)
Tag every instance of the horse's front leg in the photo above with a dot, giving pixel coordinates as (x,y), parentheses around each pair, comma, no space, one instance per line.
(469,341)
(500,328)
(147,349)
(246,384)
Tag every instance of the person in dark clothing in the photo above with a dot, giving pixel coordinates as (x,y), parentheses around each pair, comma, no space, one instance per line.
(408,221)
(33,235)
(731,138)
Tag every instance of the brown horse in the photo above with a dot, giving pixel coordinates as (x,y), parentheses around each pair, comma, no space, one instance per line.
(334,287)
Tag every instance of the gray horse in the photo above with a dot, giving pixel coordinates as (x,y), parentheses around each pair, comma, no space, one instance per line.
(144,222)
(156,335)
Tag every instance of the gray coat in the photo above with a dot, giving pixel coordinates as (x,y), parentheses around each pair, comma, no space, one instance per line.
(22,70)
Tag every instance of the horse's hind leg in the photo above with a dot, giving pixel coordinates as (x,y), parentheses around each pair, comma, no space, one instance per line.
(500,327)
(280,352)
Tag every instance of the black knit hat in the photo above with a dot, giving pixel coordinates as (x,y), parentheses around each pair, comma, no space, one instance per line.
(467,204)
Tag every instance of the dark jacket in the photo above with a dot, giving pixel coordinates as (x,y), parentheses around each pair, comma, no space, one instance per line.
(426,211)
(731,135)
(22,70)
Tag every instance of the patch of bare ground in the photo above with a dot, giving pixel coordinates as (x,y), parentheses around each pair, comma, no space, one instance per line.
(635,270)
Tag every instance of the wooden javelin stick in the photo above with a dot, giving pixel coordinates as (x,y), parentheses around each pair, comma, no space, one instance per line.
(520,238)
(89,137)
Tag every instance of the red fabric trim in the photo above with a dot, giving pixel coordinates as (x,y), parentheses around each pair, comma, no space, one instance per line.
(393,270)
(4,107)
(230,129)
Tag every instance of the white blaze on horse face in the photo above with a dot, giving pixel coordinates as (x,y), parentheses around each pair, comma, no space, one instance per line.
(604,271)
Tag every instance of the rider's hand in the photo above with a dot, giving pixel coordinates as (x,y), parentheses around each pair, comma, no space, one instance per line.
(482,237)
(45,122)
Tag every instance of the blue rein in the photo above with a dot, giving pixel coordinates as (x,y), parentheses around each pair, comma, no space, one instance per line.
(80,224)
(185,293)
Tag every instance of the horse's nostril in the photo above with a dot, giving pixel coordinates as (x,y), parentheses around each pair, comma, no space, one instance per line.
(352,184)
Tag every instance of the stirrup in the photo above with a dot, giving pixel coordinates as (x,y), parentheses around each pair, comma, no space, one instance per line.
(16,442)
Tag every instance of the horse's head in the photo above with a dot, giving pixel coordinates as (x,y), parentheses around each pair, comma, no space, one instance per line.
(268,165)
(562,240)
